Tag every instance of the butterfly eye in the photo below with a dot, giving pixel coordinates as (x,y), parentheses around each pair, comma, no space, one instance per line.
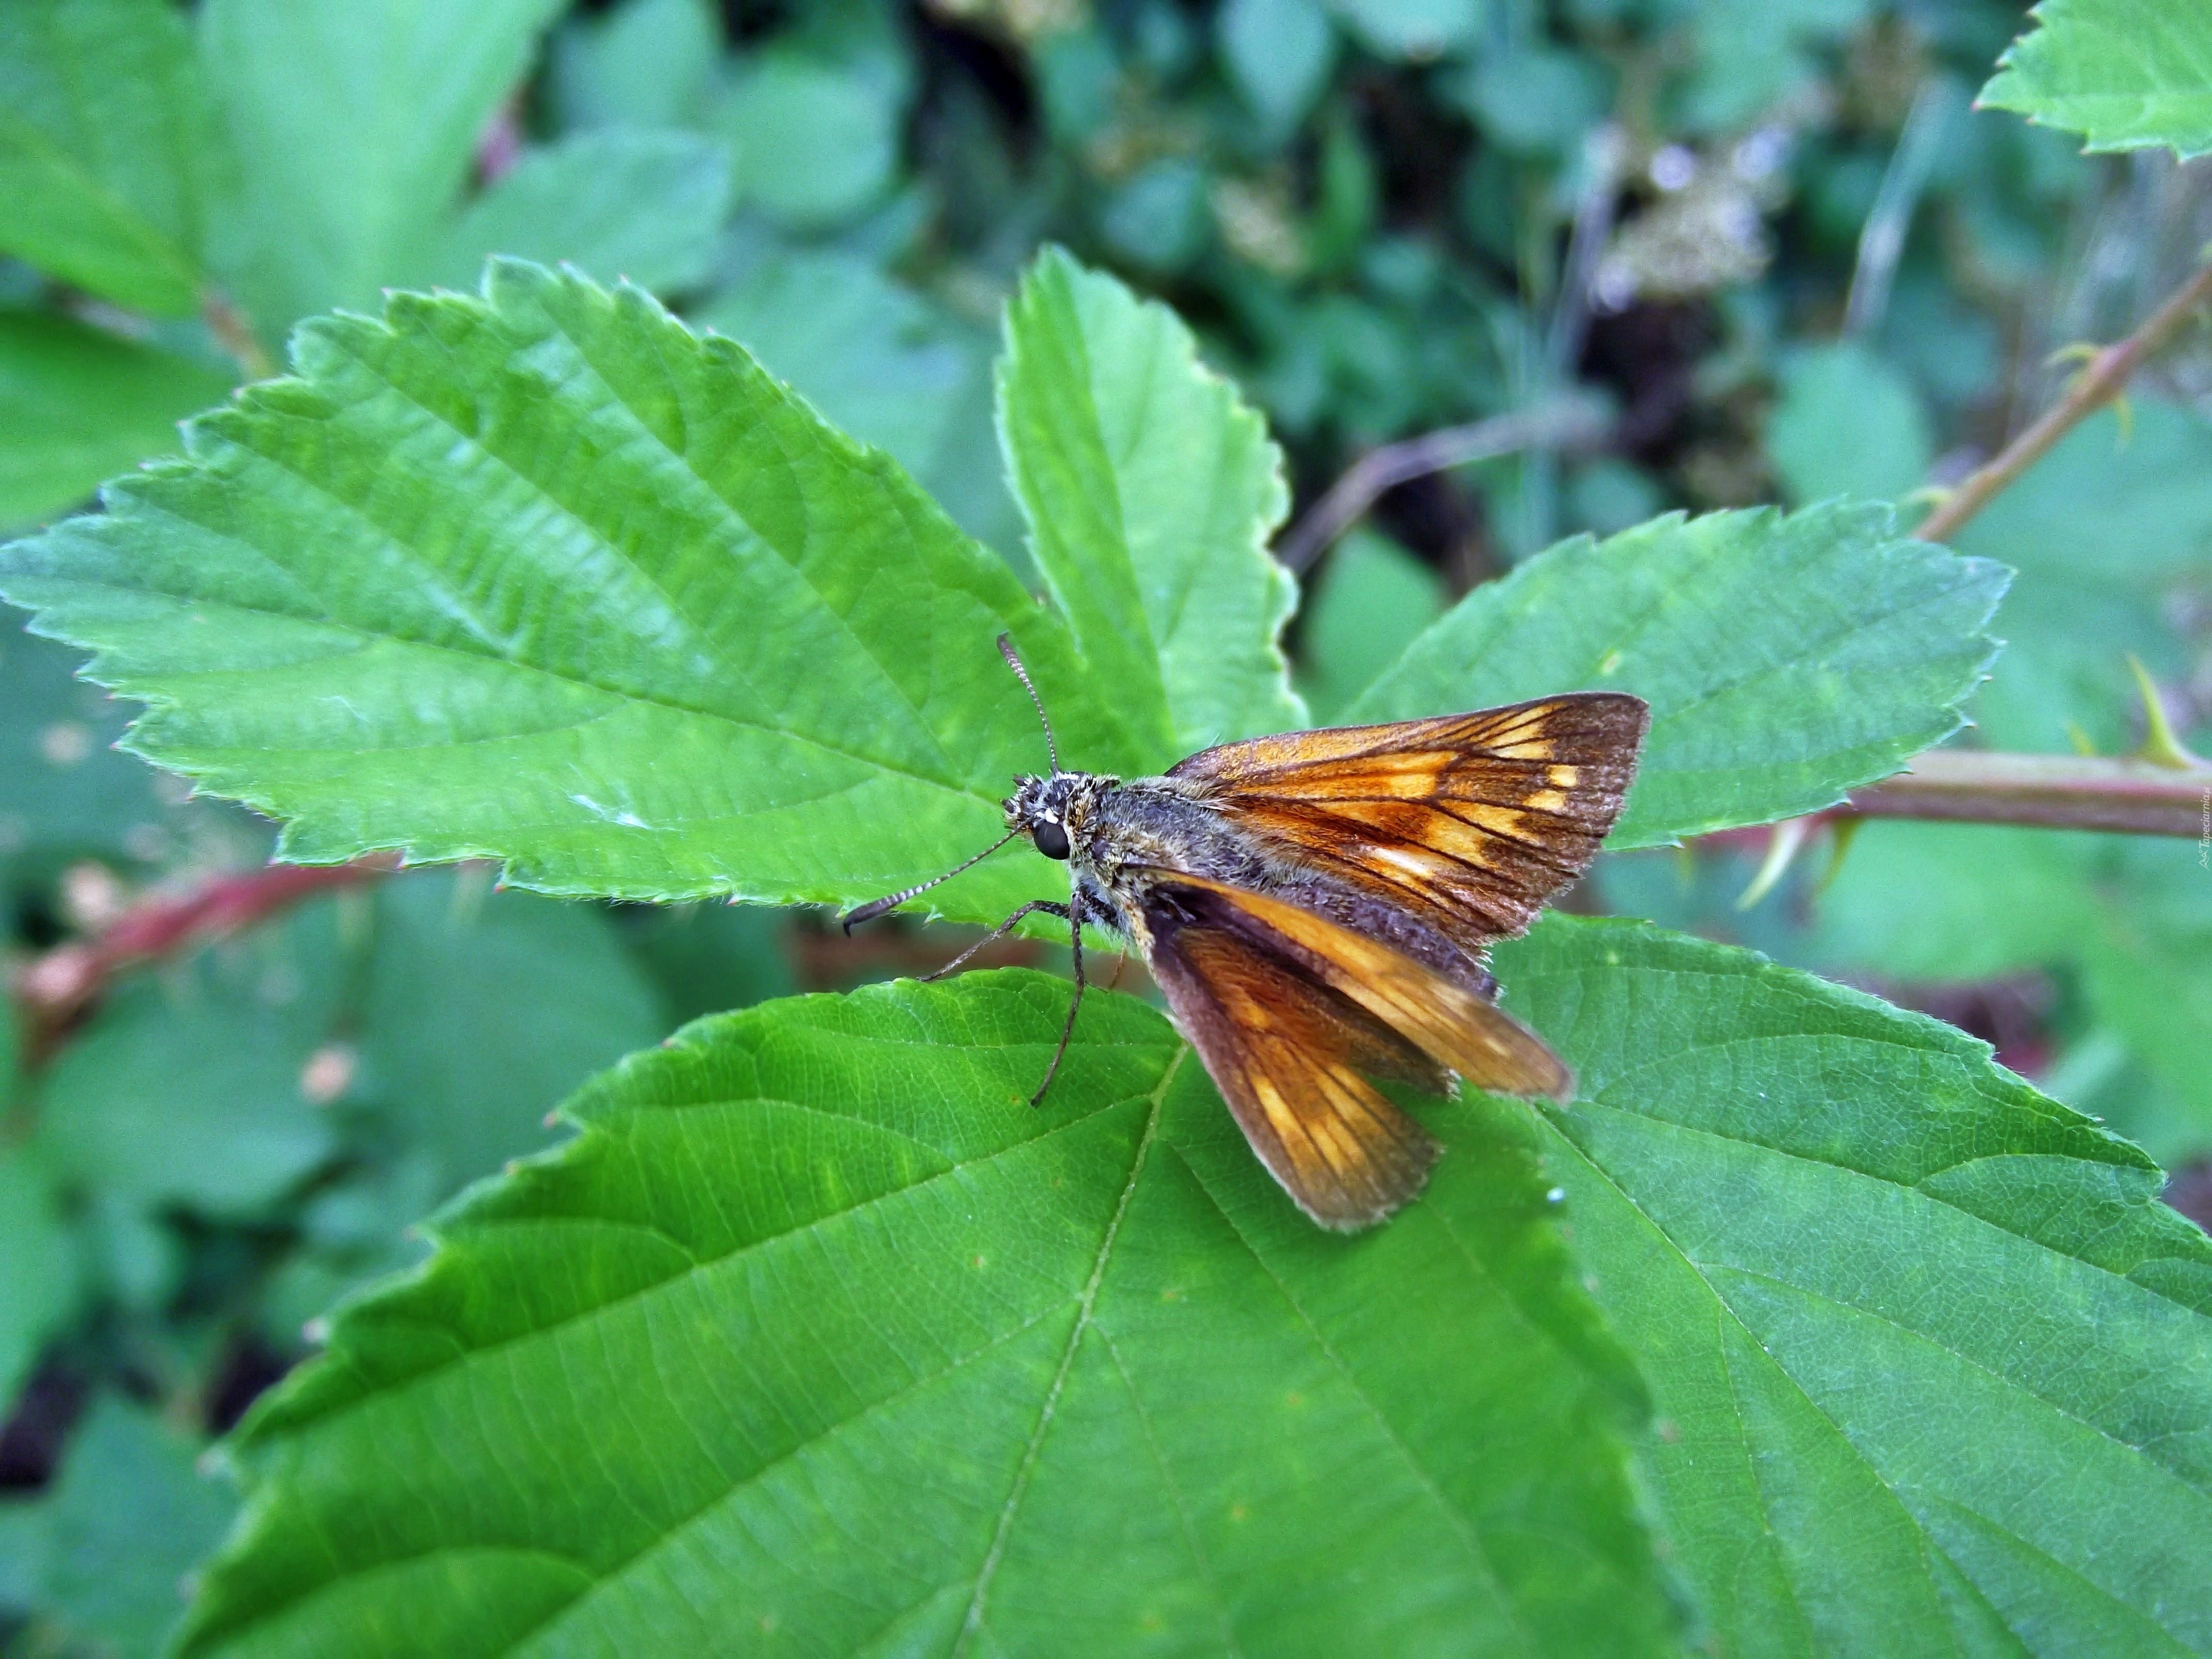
(1051,839)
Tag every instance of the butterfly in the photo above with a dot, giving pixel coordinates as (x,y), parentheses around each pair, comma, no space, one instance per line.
(1316,908)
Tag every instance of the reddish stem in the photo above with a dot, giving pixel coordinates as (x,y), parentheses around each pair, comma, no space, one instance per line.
(56,989)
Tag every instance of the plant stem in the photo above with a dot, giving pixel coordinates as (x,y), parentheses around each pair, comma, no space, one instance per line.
(2094,387)
(1573,423)
(236,335)
(55,989)
(2057,791)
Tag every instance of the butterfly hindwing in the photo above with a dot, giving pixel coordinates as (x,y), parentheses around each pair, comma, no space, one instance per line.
(1292,1013)
(1470,821)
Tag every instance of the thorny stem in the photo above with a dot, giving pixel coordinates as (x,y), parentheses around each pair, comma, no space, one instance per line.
(2057,791)
(2094,387)
(53,990)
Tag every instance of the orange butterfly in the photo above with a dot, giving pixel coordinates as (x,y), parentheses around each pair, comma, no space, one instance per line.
(1316,908)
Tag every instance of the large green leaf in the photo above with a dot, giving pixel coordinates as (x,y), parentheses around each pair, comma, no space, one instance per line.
(646,206)
(882,365)
(2122,73)
(1151,491)
(819,1338)
(543,576)
(351,124)
(100,129)
(1932,1364)
(79,404)
(1786,658)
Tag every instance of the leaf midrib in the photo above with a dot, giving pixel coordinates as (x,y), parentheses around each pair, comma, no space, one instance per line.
(464,1354)
(1086,1308)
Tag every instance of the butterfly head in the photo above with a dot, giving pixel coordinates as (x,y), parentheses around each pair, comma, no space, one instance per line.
(1049,810)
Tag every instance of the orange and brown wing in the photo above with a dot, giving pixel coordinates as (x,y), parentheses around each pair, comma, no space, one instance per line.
(1292,1013)
(1471,821)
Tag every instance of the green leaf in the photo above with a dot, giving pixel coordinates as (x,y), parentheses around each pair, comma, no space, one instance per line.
(2132,502)
(1534,101)
(646,206)
(100,117)
(1151,490)
(79,404)
(126,1523)
(817,1274)
(882,365)
(1751,54)
(1786,658)
(482,1007)
(2146,972)
(643,64)
(1955,901)
(543,576)
(1373,600)
(1278,54)
(709,958)
(1910,1324)
(1848,424)
(64,791)
(189,1091)
(2122,73)
(37,1260)
(1414,29)
(2097,529)
(815,143)
(314,219)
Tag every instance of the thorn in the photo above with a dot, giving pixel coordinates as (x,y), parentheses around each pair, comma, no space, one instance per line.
(1789,837)
(2083,744)
(2159,746)
(1843,832)
(2125,413)
(1686,865)
(2082,351)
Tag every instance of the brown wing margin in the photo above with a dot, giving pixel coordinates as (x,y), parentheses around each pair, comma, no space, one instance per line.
(1291,1013)
(1469,821)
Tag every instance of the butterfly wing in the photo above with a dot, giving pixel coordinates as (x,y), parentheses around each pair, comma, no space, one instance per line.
(1291,1013)
(1469,821)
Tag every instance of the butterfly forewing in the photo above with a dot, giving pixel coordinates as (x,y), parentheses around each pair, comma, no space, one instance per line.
(1470,821)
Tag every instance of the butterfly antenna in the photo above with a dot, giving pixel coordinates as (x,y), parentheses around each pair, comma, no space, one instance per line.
(1006,650)
(875,908)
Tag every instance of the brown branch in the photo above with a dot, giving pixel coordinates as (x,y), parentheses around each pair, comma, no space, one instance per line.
(53,991)
(1573,423)
(2057,791)
(2094,387)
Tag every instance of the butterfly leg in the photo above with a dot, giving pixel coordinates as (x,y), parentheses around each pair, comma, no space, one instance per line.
(1050,906)
(1074,914)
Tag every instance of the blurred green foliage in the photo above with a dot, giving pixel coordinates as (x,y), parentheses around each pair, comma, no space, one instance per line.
(1775,234)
